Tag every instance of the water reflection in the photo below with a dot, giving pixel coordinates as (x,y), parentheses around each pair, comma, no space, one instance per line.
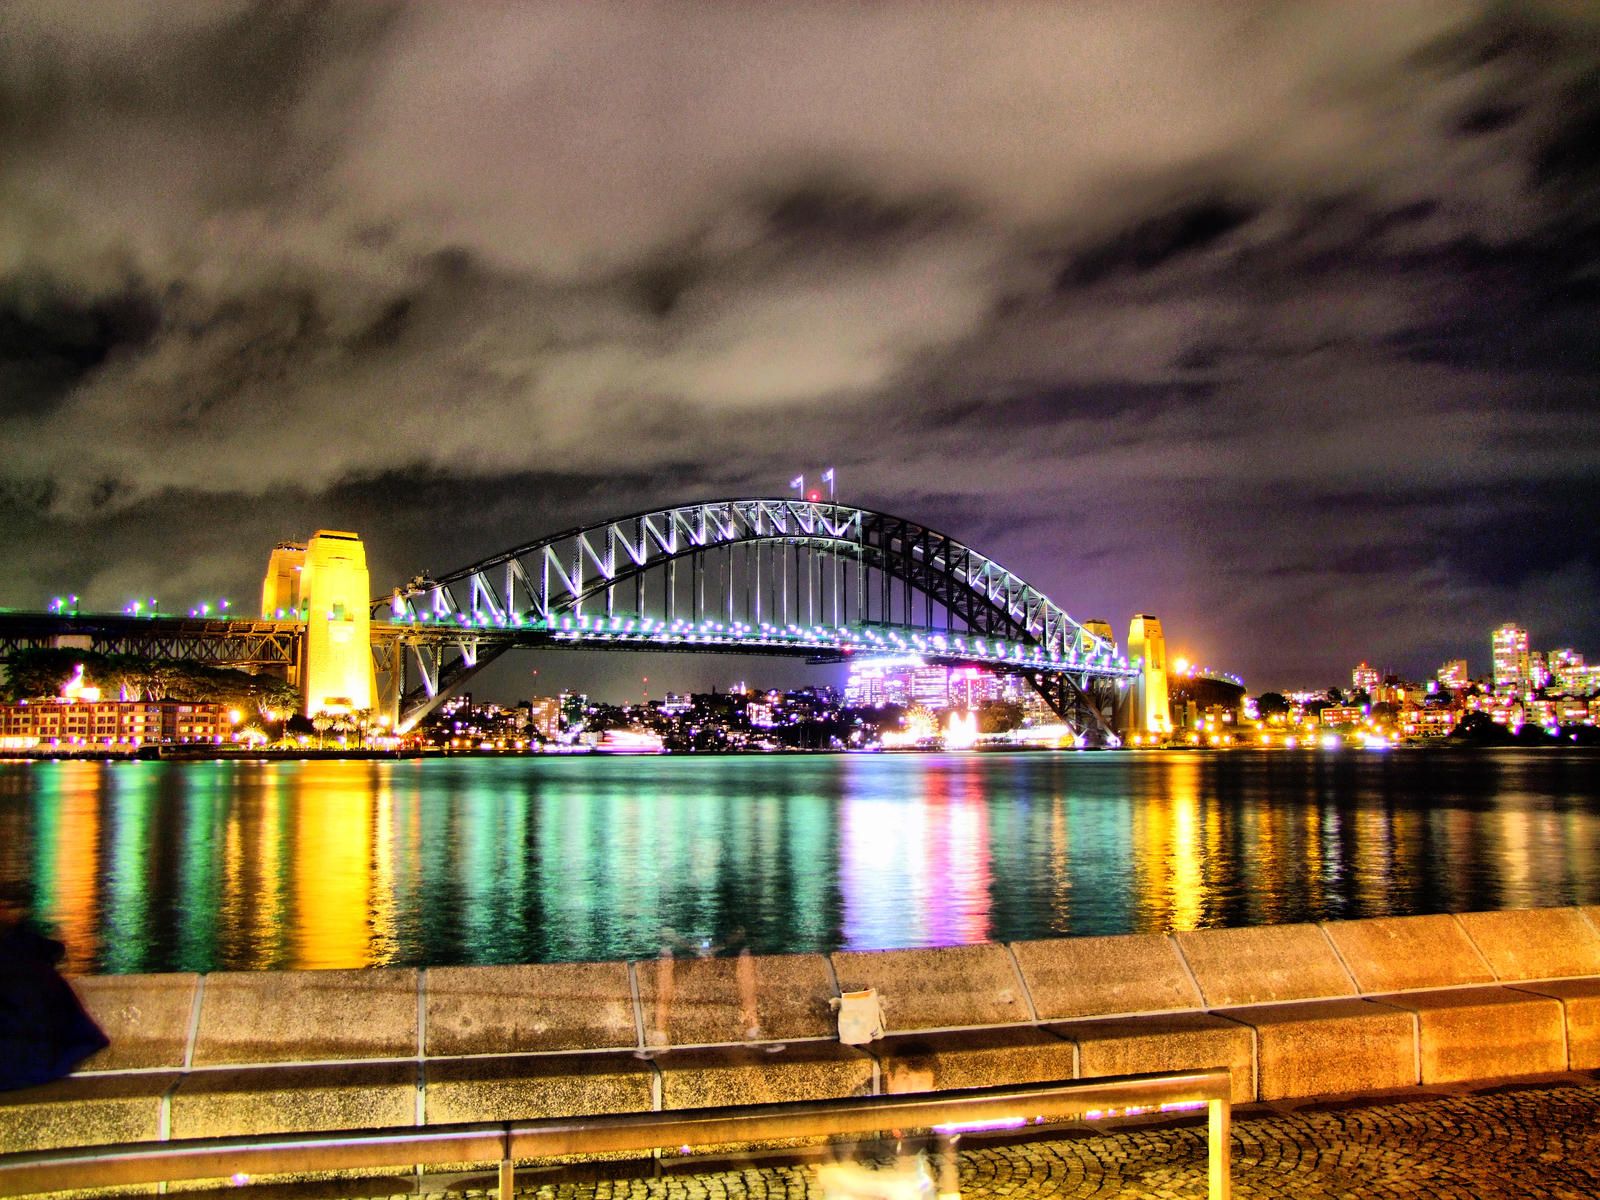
(208,866)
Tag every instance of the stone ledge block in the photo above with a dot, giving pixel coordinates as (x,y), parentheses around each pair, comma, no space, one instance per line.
(258,1100)
(1485,1033)
(306,1016)
(750,998)
(542,1085)
(1101,976)
(1164,1042)
(1263,964)
(938,988)
(1580,1007)
(1391,954)
(712,1076)
(1326,1047)
(83,1110)
(536,1007)
(1535,943)
(146,1017)
(966,1058)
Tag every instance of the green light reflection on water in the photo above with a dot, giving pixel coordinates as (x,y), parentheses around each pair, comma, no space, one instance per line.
(130,798)
(47,869)
(198,868)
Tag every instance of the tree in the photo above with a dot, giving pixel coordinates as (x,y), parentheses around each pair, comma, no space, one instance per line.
(39,673)
(999,716)
(1533,735)
(1272,704)
(1480,729)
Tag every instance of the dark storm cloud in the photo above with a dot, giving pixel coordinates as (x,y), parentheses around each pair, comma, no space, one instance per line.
(1226,312)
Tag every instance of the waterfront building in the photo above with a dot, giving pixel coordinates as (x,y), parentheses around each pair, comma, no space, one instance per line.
(1416,721)
(1453,675)
(1509,645)
(79,718)
(1365,679)
(1540,712)
(1343,714)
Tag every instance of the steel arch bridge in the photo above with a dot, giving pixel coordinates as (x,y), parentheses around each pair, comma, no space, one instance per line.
(778,576)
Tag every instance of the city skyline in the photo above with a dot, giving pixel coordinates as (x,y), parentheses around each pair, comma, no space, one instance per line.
(1276,323)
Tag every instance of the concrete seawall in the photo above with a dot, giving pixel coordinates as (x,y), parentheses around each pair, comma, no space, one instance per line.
(1293,1010)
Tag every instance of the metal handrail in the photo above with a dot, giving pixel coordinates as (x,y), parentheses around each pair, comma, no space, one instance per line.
(948,1114)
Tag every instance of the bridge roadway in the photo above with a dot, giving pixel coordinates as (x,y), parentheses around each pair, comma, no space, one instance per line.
(1536,1138)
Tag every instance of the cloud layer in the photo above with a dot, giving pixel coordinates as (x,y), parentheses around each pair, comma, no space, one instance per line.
(1273,316)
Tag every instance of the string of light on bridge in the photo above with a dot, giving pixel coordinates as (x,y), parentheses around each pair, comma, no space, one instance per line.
(839,639)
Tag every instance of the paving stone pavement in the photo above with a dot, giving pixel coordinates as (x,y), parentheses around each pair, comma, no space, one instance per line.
(1517,1141)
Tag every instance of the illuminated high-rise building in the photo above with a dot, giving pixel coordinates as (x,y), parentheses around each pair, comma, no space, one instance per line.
(1511,667)
(931,686)
(1365,679)
(1152,714)
(544,716)
(1453,675)
(1538,669)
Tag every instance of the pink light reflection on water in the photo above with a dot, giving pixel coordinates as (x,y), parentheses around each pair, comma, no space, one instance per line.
(914,866)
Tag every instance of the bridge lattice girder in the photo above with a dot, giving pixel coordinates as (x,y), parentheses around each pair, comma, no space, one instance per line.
(238,643)
(558,574)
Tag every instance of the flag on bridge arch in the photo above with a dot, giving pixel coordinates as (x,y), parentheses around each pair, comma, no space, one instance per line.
(799,481)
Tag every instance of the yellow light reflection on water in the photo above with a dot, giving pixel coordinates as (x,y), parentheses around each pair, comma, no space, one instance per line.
(1185,897)
(335,869)
(70,801)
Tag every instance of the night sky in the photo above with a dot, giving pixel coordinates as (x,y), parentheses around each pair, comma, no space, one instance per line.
(1279,321)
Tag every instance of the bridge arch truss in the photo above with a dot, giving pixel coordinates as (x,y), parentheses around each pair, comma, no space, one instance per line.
(747,576)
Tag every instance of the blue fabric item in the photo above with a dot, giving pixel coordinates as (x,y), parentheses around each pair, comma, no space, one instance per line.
(44,1032)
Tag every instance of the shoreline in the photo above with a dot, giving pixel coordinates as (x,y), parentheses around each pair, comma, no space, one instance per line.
(229,754)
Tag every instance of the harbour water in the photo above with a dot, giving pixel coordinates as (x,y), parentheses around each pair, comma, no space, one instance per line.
(252,865)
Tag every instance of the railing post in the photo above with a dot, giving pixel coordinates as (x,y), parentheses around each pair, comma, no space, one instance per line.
(1219,1136)
(508,1177)
(949,1172)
